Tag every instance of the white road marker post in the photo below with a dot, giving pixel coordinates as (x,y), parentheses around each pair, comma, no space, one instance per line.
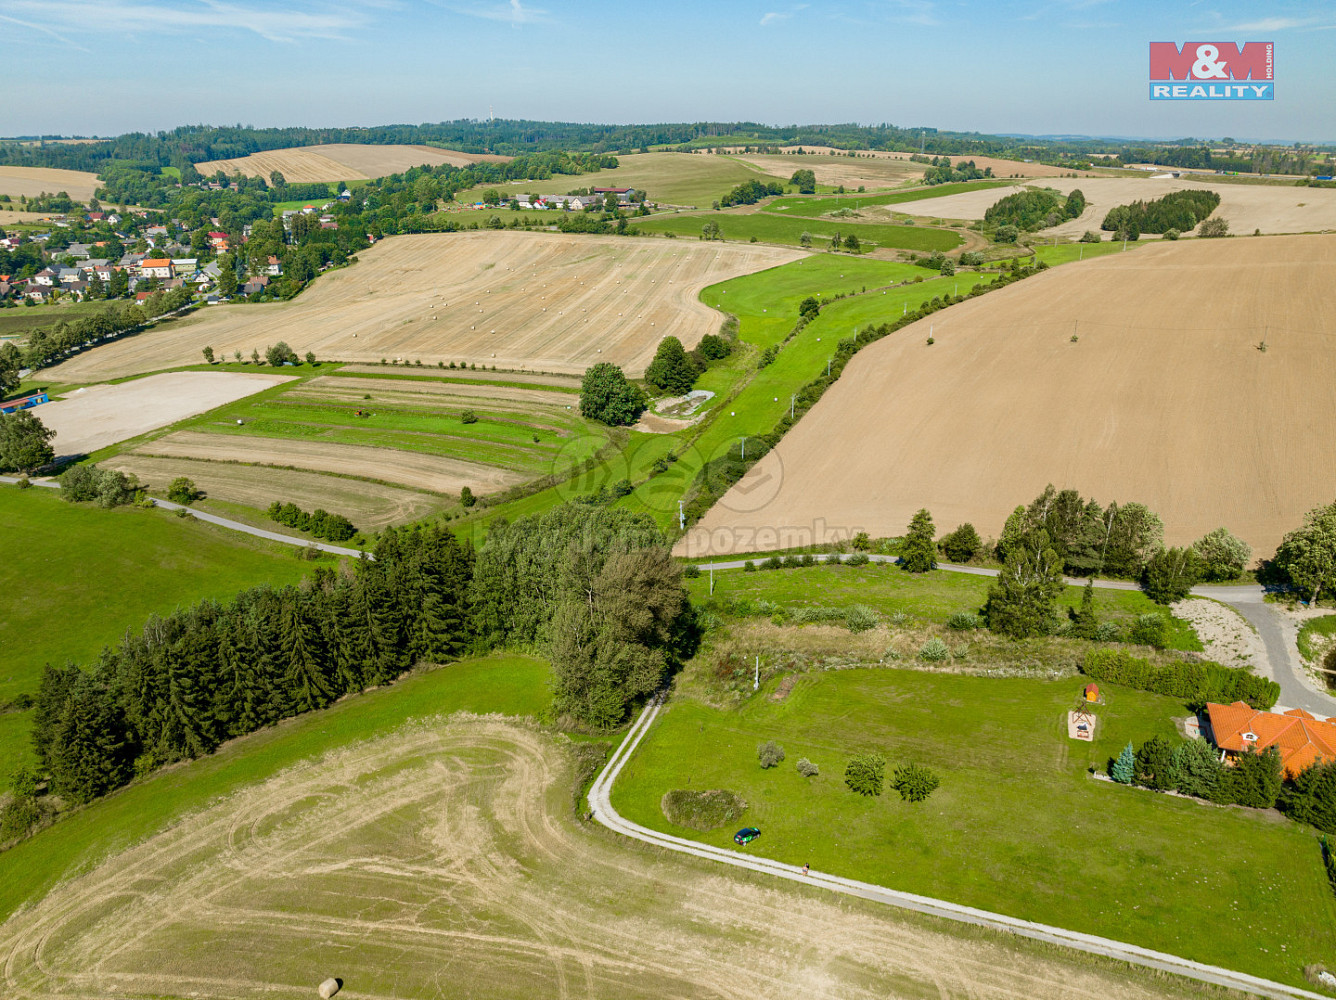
(756,680)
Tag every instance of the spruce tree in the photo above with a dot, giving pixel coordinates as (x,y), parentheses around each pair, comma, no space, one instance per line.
(1085,623)
(918,554)
(90,754)
(1124,768)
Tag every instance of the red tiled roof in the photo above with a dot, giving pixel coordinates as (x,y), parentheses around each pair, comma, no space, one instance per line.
(1301,738)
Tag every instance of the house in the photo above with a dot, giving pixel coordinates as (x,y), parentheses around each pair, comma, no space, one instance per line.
(272,268)
(1302,739)
(38,293)
(185,265)
(69,275)
(96,216)
(79,251)
(255,285)
(156,267)
(46,277)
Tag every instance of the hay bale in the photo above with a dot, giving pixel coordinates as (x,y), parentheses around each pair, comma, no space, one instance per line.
(329,987)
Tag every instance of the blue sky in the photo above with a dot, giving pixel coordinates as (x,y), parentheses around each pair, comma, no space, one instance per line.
(1037,66)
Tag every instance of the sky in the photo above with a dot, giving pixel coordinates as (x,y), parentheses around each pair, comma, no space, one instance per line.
(103,67)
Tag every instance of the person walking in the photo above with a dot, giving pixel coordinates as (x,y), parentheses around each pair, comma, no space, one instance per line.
(806,868)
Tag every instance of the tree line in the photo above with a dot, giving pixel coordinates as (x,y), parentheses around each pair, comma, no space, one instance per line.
(595,589)
(1038,208)
(1179,211)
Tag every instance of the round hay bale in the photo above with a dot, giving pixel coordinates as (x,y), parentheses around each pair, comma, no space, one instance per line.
(329,987)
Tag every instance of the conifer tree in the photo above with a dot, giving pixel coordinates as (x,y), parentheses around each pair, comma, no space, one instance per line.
(1085,623)
(1124,768)
(919,552)
(90,756)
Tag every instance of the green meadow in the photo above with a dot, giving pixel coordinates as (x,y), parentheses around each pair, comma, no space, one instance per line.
(766,228)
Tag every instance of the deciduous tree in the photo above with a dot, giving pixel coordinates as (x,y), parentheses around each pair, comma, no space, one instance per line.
(25,442)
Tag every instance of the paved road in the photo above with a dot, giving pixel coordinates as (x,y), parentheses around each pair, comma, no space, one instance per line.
(224,522)
(600,802)
(1278,636)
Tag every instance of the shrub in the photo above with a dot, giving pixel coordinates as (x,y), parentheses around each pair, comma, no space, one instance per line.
(1153,764)
(770,754)
(1214,228)
(749,567)
(1194,768)
(807,769)
(857,559)
(1124,768)
(691,571)
(805,616)
(774,562)
(962,545)
(702,811)
(860,618)
(1172,234)
(934,650)
(1193,682)
(1149,630)
(110,488)
(1089,237)
(792,562)
(865,773)
(466,497)
(278,354)
(963,621)
(1108,632)
(468,417)
(1171,574)
(183,491)
(18,818)
(1223,556)
(914,782)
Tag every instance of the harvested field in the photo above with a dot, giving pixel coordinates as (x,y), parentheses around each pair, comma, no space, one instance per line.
(103,415)
(343,162)
(441,859)
(370,506)
(851,171)
(481,379)
(1165,399)
(351,389)
(1270,208)
(556,303)
(8,218)
(1001,168)
(30,182)
(408,468)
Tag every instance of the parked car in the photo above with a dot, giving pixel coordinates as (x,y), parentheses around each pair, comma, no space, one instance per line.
(746,835)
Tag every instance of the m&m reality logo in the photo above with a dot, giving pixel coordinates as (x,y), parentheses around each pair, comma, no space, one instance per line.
(1212,71)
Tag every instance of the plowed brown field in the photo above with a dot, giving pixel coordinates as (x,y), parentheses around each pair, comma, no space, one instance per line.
(514,300)
(1165,398)
(342,162)
(441,860)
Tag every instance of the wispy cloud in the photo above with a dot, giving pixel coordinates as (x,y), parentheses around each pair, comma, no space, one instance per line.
(775,16)
(1274,24)
(113,17)
(43,29)
(513,12)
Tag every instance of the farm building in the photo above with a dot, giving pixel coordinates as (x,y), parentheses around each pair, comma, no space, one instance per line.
(1302,739)
(26,403)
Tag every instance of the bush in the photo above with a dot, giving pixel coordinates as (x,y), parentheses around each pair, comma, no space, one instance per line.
(108,487)
(1214,228)
(749,567)
(468,417)
(774,562)
(934,650)
(807,769)
(691,571)
(962,545)
(1193,682)
(19,818)
(865,773)
(702,811)
(1171,574)
(860,618)
(1223,556)
(712,347)
(279,354)
(963,621)
(466,497)
(1108,632)
(857,559)
(914,782)
(1150,630)
(183,491)
(770,754)
(1089,237)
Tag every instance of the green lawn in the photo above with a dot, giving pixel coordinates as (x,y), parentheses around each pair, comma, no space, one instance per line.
(932,597)
(1017,825)
(778,229)
(807,205)
(1325,627)
(76,577)
(1065,253)
(20,320)
(511,685)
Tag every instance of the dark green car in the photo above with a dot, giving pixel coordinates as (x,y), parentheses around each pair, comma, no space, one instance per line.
(746,835)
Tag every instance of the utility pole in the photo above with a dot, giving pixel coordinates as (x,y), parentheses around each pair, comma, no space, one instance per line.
(792,399)
(681,517)
(756,679)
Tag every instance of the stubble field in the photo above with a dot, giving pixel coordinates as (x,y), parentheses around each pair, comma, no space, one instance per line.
(1270,208)
(1165,398)
(540,301)
(441,860)
(33,181)
(342,162)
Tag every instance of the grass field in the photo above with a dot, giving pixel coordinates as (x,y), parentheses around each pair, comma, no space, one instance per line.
(78,577)
(1017,825)
(788,231)
(1188,413)
(931,597)
(812,206)
(1316,636)
(536,301)
(384,843)
(23,319)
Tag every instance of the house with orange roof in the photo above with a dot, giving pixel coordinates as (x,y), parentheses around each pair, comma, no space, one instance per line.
(1301,739)
(156,267)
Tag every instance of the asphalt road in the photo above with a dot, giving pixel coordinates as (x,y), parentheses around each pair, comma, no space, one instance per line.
(600,802)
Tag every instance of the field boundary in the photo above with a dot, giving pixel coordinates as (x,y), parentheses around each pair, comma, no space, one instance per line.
(600,803)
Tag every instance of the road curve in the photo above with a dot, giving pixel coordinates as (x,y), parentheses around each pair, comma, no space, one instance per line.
(600,802)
